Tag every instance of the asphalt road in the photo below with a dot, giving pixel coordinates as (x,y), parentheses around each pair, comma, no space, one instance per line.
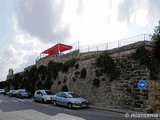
(12,108)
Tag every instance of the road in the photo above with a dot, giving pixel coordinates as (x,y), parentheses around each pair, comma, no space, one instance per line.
(12,108)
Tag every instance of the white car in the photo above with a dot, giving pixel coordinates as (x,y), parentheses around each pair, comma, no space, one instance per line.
(2,91)
(43,96)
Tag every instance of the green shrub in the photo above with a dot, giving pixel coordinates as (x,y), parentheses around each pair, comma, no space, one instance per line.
(59,82)
(2,84)
(65,78)
(147,58)
(106,65)
(103,79)
(65,68)
(64,81)
(68,64)
(54,68)
(98,72)
(77,73)
(39,84)
(77,66)
(47,84)
(144,56)
(64,88)
(83,73)
(96,82)
(41,69)
(74,79)
(71,62)
(156,39)
(43,76)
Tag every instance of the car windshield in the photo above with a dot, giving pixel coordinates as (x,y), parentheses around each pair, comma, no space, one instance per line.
(73,95)
(13,91)
(24,90)
(48,93)
(2,90)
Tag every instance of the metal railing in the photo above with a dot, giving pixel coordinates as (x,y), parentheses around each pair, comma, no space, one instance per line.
(106,46)
(116,44)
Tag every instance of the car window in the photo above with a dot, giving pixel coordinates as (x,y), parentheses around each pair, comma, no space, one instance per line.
(38,92)
(48,92)
(73,95)
(23,90)
(58,94)
(63,95)
(14,90)
(2,90)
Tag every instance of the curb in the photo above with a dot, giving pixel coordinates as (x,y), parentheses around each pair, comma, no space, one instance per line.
(114,110)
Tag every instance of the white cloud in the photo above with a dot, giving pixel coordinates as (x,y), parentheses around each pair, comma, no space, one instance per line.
(42,19)
(22,52)
(39,24)
(16,59)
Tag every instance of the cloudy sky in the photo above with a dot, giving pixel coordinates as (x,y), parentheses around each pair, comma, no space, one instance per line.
(27,27)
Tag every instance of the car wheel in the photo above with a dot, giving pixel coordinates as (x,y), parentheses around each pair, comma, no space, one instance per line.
(70,105)
(35,99)
(42,100)
(54,103)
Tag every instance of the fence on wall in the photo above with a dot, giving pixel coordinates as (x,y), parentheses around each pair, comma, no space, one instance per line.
(106,46)
(116,44)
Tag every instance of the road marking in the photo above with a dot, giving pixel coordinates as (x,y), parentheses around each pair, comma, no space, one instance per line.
(68,110)
(29,100)
(4,101)
(20,100)
(14,100)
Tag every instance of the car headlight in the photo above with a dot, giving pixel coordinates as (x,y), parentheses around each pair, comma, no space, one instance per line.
(77,102)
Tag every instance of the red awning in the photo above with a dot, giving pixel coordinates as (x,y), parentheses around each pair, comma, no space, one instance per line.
(57,48)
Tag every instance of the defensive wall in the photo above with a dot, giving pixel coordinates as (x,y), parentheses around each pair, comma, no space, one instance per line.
(122,93)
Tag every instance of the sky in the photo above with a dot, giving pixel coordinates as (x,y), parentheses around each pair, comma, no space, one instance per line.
(28,27)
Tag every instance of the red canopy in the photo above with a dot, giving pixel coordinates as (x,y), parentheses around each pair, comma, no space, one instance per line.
(58,47)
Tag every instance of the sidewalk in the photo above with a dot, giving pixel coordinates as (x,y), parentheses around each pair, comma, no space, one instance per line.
(117,110)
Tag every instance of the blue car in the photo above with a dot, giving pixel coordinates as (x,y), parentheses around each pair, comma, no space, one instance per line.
(23,93)
(70,100)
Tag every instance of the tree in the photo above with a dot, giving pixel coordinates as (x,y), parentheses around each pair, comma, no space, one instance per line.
(156,38)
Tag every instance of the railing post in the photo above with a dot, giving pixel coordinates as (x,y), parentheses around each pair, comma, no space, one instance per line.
(118,43)
(88,48)
(78,45)
(106,46)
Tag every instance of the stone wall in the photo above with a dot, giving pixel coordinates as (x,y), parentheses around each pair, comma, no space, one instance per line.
(154,95)
(57,58)
(120,93)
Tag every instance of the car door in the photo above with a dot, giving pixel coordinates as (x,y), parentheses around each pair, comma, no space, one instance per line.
(38,96)
(64,99)
(58,98)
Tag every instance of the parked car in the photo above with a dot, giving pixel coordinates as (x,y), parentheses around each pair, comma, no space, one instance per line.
(23,93)
(2,91)
(12,93)
(70,100)
(43,96)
